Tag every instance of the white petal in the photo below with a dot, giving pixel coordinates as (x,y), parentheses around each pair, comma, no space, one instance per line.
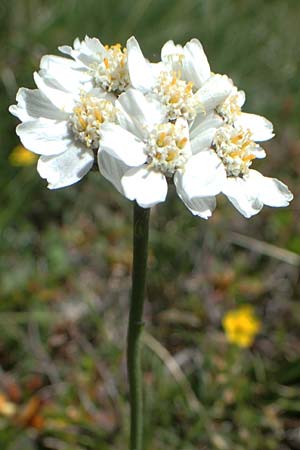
(140,72)
(122,145)
(141,113)
(214,91)
(67,49)
(202,207)
(45,136)
(195,64)
(59,97)
(182,128)
(67,168)
(260,127)
(203,140)
(68,73)
(270,191)
(90,51)
(203,176)
(112,169)
(94,45)
(242,196)
(130,123)
(203,131)
(259,152)
(241,98)
(156,68)
(32,104)
(169,49)
(86,52)
(145,186)
(54,63)
(202,122)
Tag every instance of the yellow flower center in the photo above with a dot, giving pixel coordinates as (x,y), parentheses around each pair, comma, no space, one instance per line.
(87,118)
(177,95)
(111,72)
(167,148)
(236,149)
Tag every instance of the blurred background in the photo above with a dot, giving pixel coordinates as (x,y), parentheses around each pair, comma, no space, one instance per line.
(221,351)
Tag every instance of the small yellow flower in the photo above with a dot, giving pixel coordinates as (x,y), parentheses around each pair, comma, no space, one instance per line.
(241,326)
(7,408)
(20,156)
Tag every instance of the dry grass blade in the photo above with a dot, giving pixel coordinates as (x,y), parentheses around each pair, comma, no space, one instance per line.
(265,249)
(174,369)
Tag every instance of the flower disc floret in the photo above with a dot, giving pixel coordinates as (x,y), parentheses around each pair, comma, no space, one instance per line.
(177,95)
(88,116)
(236,149)
(167,149)
(111,72)
(231,109)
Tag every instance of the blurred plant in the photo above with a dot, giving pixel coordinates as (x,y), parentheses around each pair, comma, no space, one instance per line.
(7,408)
(241,326)
(20,156)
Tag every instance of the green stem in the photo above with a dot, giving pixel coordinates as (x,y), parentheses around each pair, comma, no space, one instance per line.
(135,326)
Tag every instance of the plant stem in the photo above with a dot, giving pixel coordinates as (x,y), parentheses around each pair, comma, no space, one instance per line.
(135,326)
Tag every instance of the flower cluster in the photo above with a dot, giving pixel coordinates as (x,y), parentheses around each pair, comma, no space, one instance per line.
(147,125)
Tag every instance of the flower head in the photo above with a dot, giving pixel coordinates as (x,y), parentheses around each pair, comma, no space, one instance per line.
(167,147)
(237,143)
(88,115)
(236,148)
(61,121)
(241,326)
(182,81)
(105,65)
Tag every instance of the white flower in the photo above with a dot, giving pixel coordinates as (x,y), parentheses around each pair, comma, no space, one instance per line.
(104,65)
(61,121)
(246,188)
(145,150)
(236,144)
(231,111)
(181,81)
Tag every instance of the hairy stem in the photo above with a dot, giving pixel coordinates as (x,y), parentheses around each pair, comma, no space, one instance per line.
(135,326)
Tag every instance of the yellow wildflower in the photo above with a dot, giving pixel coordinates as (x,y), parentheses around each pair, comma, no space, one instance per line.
(7,408)
(241,326)
(20,156)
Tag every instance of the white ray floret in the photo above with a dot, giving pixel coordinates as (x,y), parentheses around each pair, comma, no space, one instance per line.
(252,191)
